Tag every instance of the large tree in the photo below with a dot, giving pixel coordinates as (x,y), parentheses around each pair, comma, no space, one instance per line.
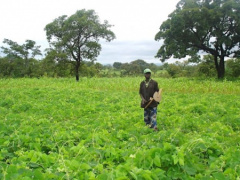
(211,26)
(79,35)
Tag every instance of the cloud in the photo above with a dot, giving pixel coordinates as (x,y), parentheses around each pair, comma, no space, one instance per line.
(135,24)
(127,51)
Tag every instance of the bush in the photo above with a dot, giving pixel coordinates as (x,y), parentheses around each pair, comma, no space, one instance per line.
(233,68)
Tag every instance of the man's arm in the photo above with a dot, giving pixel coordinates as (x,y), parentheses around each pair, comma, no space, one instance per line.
(143,100)
(156,88)
(140,93)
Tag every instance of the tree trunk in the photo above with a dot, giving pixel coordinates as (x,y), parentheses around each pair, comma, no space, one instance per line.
(221,72)
(77,70)
(220,67)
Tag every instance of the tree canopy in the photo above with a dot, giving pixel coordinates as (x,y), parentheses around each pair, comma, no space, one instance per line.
(79,35)
(212,26)
(25,51)
(19,60)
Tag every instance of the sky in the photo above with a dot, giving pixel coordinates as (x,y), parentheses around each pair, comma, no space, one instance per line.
(136,22)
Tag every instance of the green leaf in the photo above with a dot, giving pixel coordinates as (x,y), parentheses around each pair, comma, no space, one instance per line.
(219,176)
(85,166)
(38,175)
(34,165)
(190,170)
(133,175)
(157,161)
(102,176)
(175,159)
(147,175)
(181,161)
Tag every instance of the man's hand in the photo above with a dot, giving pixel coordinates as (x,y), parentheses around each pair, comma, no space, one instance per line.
(143,101)
(151,98)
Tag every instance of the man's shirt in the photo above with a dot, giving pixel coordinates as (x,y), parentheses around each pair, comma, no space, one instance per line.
(147,90)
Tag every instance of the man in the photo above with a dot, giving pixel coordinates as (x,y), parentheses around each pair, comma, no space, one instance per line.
(147,88)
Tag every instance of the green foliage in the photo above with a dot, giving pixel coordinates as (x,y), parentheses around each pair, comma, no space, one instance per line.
(134,68)
(26,51)
(197,25)
(207,67)
(117,65)
(173,70)
(19,59)
(179,69)
(78,35)
(233,67)
(94,129)
(16,67)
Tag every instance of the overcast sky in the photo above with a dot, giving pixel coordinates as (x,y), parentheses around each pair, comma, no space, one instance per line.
(136,23)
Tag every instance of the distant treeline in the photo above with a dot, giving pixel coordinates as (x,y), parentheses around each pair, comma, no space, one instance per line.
(12,67)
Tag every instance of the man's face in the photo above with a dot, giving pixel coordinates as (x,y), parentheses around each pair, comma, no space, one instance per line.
(147,75)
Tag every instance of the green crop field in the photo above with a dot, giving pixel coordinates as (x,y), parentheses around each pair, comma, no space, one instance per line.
(94,129)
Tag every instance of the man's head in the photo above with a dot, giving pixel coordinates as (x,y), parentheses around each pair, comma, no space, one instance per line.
(147,73)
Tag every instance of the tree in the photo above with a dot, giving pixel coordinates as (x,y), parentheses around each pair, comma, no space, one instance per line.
(26,51)
(141,64)
(212,26)
(53,62)
(206,67)
(6,67)
(21,57)
(233,67)
(117,65)
(79,35)
(98,67)
(173,70)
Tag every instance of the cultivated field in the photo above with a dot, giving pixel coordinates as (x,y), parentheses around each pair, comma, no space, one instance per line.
(94,129)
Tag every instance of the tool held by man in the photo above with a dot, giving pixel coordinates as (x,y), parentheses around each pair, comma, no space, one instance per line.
(157,96)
